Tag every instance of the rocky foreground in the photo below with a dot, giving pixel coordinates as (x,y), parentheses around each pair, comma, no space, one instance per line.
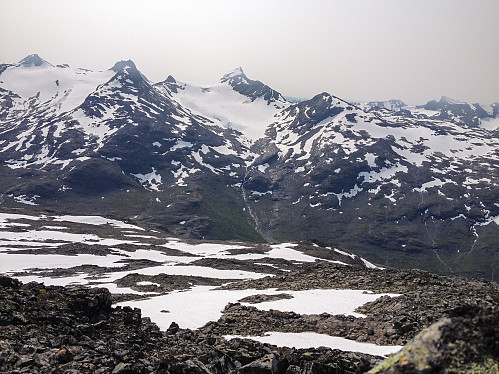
(450,325)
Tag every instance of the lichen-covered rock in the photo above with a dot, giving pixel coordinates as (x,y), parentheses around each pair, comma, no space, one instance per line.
(468,342)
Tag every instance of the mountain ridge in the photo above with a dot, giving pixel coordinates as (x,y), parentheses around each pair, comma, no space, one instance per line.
(403,186)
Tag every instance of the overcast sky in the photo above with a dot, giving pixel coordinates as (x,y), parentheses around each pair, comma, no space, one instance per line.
(415,50)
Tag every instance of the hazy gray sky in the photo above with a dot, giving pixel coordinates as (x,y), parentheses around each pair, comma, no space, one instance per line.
(414,50)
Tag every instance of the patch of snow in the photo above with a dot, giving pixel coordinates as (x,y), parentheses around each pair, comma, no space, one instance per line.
(370,265)
(383,173)
(287,252)
(304,340)
(490,220)
(147,283)
(150,181)
(201,304)
(344,253)
(23,199)
(263,167)
(436,182)
(353,192)
(181,144)
(96,220)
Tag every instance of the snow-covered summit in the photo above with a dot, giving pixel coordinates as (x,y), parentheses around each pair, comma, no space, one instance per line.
(236,102)
(238,72)
(53,88)
(253,89)
(32,60)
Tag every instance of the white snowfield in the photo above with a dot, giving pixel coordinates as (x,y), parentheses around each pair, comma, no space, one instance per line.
(191,308)
(201,304)
(227,107)
(64,87)
(314,340)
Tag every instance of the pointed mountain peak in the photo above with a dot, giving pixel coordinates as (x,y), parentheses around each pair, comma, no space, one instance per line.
(236,73)
(122,65)
(127,70)
(250,88)
(32,60)
(170,84)
(170,79)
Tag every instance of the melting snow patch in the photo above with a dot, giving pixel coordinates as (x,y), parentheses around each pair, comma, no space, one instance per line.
(490,220)
(382,174)
(5,218)
(202,304)
(23,199)
(370,158)
(96,220)
(353,192)
(322,301)
(181,144)
(436,182)
(150,181)
(314,340)
(371,265)
(344,253)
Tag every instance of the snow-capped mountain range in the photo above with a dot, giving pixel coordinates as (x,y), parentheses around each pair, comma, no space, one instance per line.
(409,186)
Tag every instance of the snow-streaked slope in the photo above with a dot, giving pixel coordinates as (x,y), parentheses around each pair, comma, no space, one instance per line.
(346,127)
(328,129)
(60,115)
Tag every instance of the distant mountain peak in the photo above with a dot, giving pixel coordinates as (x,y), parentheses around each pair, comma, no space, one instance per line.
(448,100)
(122,65)
(32,60)
(236,73)
(250,88)
(170,79)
